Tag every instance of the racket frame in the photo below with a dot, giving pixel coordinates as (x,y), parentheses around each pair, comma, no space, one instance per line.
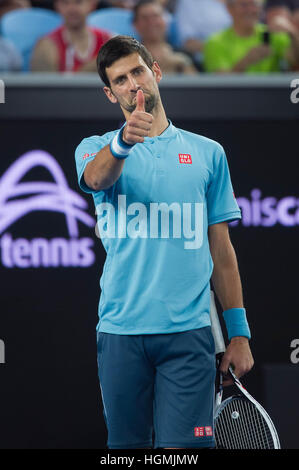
(219,351)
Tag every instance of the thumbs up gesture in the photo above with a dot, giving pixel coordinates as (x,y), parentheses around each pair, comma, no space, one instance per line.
(139,124)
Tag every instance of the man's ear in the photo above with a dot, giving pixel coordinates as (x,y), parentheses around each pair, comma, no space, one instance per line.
(157,72)
(109,94)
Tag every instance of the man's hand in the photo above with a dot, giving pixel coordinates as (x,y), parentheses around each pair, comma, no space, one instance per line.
(283,24)
(139,124)
(255,55)
(258,53)
(238,355)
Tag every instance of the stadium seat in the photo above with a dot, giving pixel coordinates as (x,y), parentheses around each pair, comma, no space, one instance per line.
(172,33)
(23,27)
(115,20)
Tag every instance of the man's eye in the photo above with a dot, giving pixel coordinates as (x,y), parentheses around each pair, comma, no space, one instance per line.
(119,81)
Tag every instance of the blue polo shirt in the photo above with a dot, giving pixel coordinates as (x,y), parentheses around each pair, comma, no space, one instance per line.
(153,224)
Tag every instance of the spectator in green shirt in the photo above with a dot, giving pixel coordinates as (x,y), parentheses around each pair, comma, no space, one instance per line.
(247,46)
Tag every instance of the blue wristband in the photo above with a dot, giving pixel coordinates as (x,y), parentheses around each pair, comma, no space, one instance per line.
(236,322)
(118,146)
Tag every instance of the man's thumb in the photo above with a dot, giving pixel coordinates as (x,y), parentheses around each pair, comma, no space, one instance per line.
(140,101)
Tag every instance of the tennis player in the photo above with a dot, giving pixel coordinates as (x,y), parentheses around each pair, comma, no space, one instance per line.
(164,199)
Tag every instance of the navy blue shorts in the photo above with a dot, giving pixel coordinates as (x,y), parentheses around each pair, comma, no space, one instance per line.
(159,386)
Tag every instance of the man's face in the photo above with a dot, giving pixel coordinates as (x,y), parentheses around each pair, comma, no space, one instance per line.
(246,12)
(74,12)
(150,22)
(129,74)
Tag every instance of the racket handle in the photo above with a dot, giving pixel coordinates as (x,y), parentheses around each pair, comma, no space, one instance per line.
(216,327)
(219,378)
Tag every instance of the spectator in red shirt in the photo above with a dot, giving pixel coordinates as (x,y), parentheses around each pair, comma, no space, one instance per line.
(74,46)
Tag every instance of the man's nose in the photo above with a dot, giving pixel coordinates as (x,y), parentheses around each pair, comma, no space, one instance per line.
(133,83)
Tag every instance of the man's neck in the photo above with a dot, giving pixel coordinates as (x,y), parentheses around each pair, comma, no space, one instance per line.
(160,122)
(153,43)
(242,30)
(77,34)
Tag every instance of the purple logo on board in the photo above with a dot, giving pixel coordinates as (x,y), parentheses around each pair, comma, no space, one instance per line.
(258,211)
(17,199)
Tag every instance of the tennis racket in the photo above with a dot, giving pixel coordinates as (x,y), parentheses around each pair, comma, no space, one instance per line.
(240,422)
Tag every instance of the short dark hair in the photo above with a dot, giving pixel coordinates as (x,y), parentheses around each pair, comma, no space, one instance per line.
(118,47)
(140,4)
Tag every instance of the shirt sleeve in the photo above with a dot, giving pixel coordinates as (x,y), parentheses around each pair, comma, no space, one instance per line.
(85,153)
(221,202)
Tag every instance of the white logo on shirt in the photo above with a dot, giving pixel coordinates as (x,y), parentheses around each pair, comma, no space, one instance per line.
(155,220)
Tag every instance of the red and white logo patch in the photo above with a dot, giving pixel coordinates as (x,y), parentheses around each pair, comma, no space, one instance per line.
(202,431)
(185,158)
(87,155)
(199,431)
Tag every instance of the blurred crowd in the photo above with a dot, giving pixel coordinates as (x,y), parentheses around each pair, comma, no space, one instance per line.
(183,36)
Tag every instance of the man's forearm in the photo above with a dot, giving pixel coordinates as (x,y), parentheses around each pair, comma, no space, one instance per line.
(240,66)
(193,45)
(104,170)
(226,280)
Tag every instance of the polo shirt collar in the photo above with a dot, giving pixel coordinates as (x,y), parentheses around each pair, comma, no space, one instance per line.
(167,134)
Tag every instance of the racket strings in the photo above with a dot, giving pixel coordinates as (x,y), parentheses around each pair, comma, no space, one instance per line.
(240,425)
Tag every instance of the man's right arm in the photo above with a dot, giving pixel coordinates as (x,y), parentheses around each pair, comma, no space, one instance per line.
(253,56)
(103,170)
(44,57)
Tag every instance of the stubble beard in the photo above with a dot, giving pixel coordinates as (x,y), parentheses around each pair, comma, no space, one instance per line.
(150,103)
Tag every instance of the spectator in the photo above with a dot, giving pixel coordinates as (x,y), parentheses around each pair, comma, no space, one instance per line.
(283,15)
(151,26)
(9,5)
(197,20)
(247,46)
(72,47)
(10,58)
